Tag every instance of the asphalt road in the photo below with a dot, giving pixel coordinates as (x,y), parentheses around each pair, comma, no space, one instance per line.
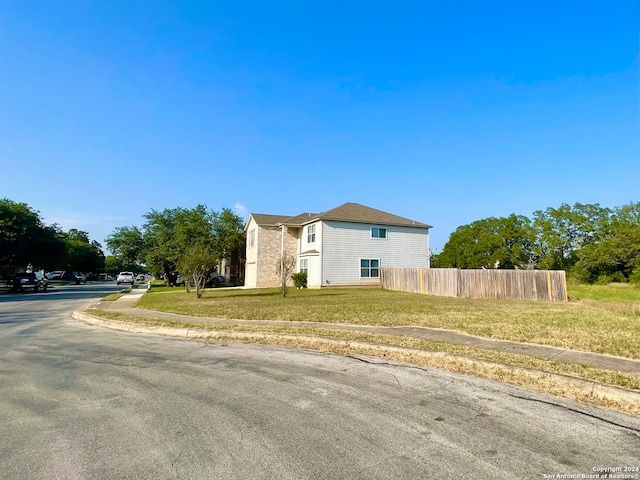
(77,402)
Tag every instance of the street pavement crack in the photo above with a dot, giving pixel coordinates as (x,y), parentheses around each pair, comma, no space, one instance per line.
(635,431)
(557,354)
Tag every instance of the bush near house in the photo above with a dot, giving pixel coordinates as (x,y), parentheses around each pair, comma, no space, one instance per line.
(300,279)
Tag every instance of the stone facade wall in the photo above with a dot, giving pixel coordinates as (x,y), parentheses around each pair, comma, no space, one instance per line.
(269,244)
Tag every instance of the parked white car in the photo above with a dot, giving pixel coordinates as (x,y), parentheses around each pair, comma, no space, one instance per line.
(214,280)
(125,277)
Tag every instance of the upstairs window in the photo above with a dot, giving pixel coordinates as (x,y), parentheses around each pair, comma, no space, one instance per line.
(378,232)
(311,234)
(369,268)
(252,238)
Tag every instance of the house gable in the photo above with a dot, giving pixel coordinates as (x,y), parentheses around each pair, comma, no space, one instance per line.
(264,243)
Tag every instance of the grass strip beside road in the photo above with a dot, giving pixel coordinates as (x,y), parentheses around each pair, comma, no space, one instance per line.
(113,297)
(599,319)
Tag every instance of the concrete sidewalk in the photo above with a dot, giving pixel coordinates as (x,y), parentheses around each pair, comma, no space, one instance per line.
(125,304)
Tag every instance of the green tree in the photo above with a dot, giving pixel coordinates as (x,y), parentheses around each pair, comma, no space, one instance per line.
(113,265)
(193,226)
(629,214)
(561,232)
(25,239)
(169,233)
(128,246)
(504,242)
(228,234)
(613,258)
(81,253)
(617,255)
(161,257)
(196,264)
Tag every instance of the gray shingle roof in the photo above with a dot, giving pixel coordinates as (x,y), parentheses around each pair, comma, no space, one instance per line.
(301,219)
(354,212)
(269,220)
(348,212)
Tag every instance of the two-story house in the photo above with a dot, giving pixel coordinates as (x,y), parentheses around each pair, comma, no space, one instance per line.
(344,246)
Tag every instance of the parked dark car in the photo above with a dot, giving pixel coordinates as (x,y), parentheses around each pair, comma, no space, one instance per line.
(31,280)
(70,277)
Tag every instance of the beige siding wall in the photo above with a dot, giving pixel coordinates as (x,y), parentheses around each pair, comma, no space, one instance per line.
(344,244)
(251,252)
(314,277)
(313,254)
(314,269)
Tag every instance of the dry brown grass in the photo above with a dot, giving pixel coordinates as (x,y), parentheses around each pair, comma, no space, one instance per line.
(609,326)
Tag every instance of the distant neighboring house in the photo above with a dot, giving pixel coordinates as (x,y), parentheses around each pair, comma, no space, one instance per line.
(344,246)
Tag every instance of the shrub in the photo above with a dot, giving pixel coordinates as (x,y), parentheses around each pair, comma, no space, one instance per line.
(605,279)
(577,278)
(635,276)
(619,277)
(300,279)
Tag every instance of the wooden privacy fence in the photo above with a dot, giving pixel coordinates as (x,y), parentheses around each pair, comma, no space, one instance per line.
(499,284)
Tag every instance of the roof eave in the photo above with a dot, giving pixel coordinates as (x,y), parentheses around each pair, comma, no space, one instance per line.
(394,224)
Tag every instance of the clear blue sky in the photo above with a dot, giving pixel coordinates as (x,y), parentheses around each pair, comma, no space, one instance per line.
(445,112)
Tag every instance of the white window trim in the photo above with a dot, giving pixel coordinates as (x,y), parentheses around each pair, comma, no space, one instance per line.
(386,233)
(311,233)
(369,267)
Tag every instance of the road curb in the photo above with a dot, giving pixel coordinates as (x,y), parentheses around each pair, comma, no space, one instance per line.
(598,390)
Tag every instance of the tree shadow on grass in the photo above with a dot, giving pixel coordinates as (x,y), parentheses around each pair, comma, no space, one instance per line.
(277,293)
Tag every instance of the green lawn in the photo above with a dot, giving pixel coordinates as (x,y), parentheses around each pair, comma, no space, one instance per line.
(622,292)
(602,319)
